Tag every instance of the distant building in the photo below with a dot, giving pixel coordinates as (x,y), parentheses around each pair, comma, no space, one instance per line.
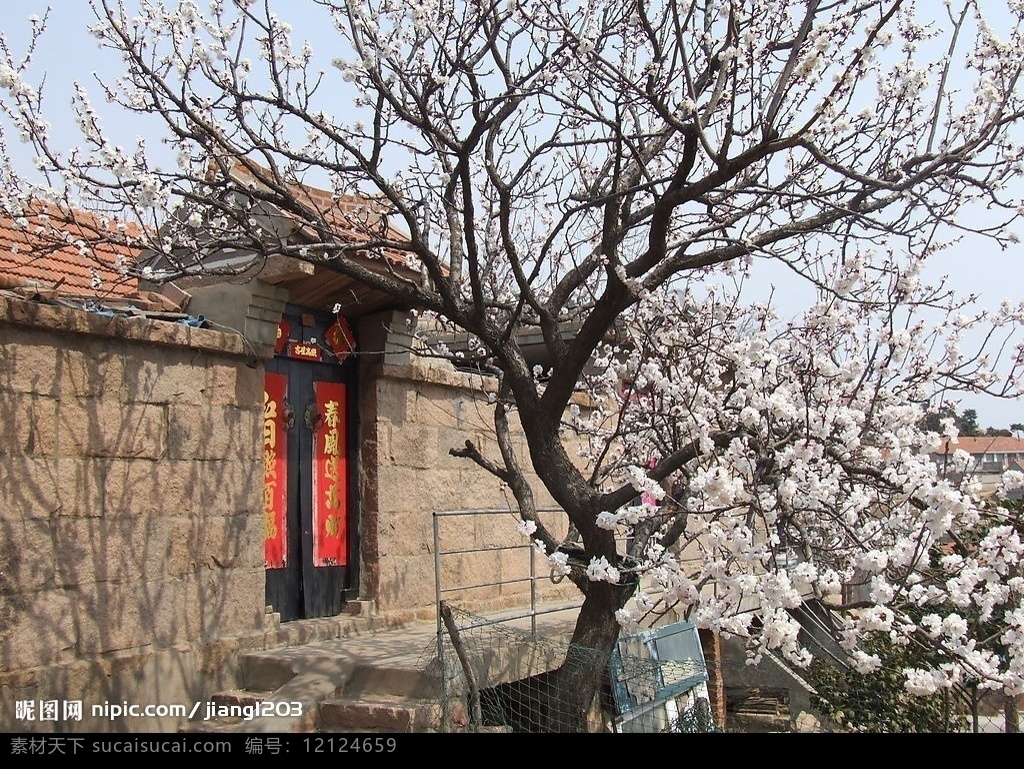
(991,456)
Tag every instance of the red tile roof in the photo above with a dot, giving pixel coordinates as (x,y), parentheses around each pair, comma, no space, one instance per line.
(357,219)
(984,444)
(76,252)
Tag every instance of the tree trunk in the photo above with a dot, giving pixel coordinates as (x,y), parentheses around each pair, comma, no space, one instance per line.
(577,682)
(1011,714)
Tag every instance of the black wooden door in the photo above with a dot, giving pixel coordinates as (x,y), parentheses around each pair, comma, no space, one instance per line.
(311,551)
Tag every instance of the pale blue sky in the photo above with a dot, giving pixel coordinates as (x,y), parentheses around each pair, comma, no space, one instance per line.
(70,52)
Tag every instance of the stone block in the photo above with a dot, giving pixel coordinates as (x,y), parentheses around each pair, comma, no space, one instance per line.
(403,534)
(182,559)
(38,487)
(412,446)
(121,549)
(469,577)
(398,490)
(231,602)
(497,531)
(351,715)
(167,379)
(456,490)
(112,617)
(106,428)
(233,486)
(90,369)
(173,612)
(385,399)
(30,423)
(406,583)
(449,407)
(456,531)
(436,408)
(183,620)
(213,543)
(212,432)
(233,383)
(478,490)
(27,362)
(38,629)
(556,522)
(513,568)
(27,559)
(147,487)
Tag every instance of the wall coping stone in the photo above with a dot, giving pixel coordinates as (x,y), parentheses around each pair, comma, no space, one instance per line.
(430,373)
(70,320)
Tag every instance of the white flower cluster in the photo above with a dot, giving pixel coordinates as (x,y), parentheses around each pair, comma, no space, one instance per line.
(527,528)
(558,562)
(599,570)
(845,495)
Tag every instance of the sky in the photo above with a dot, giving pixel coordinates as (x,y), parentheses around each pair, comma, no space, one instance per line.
(69,53)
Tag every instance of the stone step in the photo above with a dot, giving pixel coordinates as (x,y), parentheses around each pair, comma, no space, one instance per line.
(364,673)
(385,680)
(378,714)
(229,710)
(239,698)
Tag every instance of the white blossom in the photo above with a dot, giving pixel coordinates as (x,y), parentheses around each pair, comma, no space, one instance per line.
(558,562)
(599,570)
(527,528)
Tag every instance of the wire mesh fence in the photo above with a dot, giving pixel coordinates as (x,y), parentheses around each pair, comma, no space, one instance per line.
(496,678)
(493,677)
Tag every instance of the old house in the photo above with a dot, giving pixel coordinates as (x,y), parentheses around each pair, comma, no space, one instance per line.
(227,467)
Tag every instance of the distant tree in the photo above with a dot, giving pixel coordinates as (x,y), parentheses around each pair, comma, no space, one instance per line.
(997,432)
(966,422)
(1018,429)
(880,703)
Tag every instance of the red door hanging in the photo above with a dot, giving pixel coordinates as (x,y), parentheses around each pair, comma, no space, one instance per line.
(330,476)
(275,471)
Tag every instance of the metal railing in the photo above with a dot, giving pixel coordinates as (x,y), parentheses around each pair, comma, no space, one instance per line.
(533,610)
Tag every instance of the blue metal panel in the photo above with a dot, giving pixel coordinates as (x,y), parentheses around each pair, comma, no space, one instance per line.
(656,666)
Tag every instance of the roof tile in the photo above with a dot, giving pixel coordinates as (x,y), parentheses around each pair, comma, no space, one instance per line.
(79,253)
(356,219)
(984,444)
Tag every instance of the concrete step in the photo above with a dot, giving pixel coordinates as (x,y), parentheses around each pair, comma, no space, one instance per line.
(377,681)
(384,680)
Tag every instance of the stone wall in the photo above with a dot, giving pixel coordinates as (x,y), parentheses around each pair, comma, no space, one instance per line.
(413,413)
(130,527)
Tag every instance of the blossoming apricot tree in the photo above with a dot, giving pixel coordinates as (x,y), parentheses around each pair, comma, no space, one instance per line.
(605,172)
